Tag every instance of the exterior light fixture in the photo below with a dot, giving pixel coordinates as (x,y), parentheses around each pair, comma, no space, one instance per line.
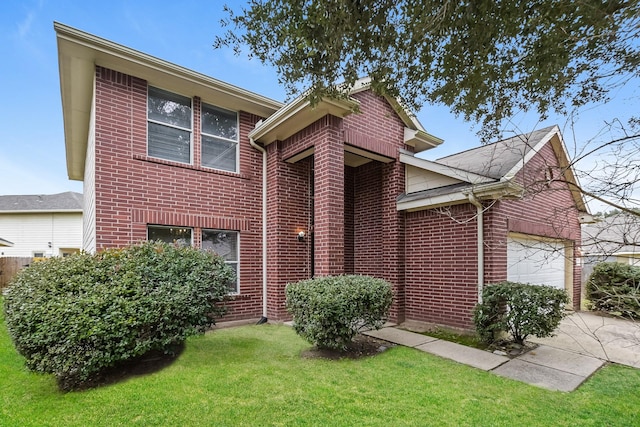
(301,236)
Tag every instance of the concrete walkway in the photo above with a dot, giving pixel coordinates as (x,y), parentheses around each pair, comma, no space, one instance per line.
(545,366)
(606,338)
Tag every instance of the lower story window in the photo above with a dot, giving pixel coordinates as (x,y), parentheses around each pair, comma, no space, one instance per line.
(225,243)
(178,235)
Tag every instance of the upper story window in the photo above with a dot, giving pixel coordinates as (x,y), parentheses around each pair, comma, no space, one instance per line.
(169,125)
(219,138)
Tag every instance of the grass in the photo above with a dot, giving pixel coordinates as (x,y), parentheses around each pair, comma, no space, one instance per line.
(254,375)
(470,340)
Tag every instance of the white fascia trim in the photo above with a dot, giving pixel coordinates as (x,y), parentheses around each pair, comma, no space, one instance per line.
(445,170)
(40,211)
(534,150)
(115,50)
(421,140)
(409,119)
(336,107)
(432,202)
(494,190)
(4,242)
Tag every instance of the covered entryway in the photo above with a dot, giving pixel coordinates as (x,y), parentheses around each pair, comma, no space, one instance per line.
(539,261)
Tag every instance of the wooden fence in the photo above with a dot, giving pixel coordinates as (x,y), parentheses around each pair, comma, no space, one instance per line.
(9,266)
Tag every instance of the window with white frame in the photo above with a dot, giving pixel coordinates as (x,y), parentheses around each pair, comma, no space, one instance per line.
(169,129)
(219,138)
(178,235)
(225,243)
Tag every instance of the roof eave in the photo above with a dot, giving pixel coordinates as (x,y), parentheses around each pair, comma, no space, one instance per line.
(80,52)
(491,191)
(6,243)
(40,211)
(297,115)
(420,140)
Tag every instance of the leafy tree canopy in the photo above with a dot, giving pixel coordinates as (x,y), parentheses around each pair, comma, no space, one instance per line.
(484,59)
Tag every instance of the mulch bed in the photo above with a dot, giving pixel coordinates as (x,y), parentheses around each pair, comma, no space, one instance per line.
(362,346)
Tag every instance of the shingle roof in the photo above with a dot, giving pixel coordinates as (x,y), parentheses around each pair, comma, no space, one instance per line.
(68,201)
(614,234)
(497,159)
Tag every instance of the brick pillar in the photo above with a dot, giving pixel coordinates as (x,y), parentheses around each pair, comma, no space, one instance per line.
(393,233)
(329,200)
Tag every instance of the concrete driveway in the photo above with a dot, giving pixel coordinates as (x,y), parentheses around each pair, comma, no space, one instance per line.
(607,338)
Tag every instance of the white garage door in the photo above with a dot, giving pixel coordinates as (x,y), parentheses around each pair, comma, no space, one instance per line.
(537,262)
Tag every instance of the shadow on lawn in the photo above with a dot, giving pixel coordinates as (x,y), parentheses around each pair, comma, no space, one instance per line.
(149,363)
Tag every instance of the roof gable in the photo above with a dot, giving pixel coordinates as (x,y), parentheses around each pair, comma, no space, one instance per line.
(499,162)
(502,159)
(612,235)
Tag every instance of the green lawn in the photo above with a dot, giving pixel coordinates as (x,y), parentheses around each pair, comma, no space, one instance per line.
(255,376)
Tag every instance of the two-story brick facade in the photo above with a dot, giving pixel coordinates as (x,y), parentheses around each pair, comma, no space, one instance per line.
(290,191)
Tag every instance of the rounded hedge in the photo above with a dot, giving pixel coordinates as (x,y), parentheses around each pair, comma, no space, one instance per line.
(614,287)
(519,309)
(75,316)
(330,311)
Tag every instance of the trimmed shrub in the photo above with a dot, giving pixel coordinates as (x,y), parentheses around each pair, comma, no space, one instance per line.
(615,288)
(520,310)
(75,316)
(330,311)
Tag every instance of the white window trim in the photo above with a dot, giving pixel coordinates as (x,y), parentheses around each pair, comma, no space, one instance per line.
(236,141)
(157,122)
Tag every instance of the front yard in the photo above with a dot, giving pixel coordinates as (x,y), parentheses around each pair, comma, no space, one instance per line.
(254,375)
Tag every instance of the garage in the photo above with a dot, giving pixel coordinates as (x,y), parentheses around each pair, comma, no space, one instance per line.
(536,261)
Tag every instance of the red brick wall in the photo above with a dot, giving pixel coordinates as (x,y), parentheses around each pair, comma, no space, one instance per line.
(379,227)
(547,210)
(349,219)
(329,200)
(377,128)
(441,265)
(368,226)
(133,190)
(441,251)
(288,212)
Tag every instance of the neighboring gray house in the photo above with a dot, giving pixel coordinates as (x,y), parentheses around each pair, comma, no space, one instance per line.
(40,225)
(611,239)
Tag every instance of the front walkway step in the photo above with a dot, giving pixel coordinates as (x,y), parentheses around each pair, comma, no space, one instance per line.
(398,336)
(462,354)
(551,368)
(563,360)
(538,375)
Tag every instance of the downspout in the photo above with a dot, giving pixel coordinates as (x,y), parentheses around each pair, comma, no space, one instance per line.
(480,221)
(263,319)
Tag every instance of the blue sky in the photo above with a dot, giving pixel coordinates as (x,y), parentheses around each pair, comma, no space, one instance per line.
(32,159)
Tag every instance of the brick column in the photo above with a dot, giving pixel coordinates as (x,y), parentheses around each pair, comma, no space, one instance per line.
(329,200)
(393,232)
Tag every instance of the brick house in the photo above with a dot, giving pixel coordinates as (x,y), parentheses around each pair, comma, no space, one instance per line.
(286,191)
